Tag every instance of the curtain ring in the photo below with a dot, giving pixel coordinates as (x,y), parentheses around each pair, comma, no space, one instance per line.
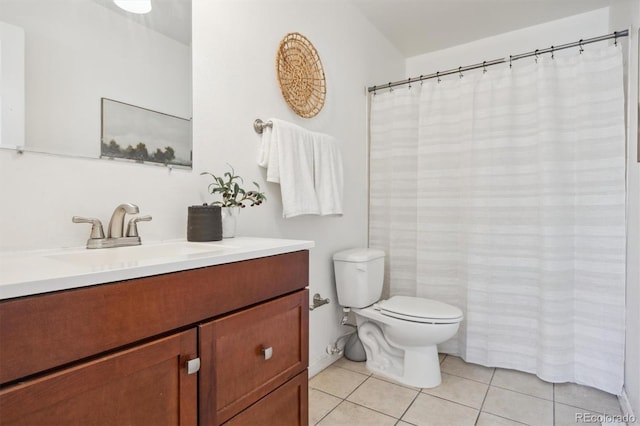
(510,59)
(536,52)
(390,88)
(484,67)
(460,72)
(374,90)
(581,48)
(438,76)
(615,38)
(552,55)
(409,82)
(421,82)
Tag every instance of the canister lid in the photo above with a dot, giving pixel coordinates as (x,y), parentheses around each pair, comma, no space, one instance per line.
(358,255)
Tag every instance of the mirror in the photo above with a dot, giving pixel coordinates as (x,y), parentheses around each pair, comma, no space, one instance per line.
(60,58)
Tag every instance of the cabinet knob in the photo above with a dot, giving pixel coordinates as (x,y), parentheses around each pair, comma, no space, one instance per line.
(267,352)
(193,366)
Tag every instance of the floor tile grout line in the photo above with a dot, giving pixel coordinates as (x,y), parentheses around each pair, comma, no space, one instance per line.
(493,375)
(335,396)
(463,377)
(349,369)
(372,409)
(356,388)
(505,418)
(326,393)
(480,411)
(409,406)
(468,378)
(330,411)
(345,400)
(522,393)
(393,382)
(451,401)
(553,396)
(580,408)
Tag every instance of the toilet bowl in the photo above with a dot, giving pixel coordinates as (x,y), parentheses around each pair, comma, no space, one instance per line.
(400,335)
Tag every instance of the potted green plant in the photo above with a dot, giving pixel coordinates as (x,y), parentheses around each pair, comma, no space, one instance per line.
(234,198)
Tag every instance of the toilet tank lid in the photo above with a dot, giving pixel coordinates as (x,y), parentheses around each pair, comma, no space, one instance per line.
(358,255)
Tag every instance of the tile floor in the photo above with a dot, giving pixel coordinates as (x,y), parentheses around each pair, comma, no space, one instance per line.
(347,394)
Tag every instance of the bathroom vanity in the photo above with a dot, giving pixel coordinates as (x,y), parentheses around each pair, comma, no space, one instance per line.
(225,342)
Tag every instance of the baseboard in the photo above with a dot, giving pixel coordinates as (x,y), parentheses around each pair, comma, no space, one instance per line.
(320,364)
(625,405)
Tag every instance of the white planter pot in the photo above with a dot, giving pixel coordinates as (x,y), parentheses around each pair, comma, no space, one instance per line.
(229,218)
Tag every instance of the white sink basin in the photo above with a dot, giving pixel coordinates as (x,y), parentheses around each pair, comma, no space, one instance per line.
(136,254)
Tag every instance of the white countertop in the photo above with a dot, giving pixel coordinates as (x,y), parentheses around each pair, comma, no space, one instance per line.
(43,271)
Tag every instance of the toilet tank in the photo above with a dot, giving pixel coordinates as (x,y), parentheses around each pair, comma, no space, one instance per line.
(359,276)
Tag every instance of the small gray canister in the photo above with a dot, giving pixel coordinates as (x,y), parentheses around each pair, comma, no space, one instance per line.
(353,350)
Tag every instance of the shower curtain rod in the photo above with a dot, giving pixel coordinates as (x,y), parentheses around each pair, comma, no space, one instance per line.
(580,43)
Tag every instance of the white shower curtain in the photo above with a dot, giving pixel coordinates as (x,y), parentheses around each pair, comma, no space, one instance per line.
(503,193)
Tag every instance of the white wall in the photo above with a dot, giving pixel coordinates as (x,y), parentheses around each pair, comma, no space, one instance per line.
(11,84)
(234,47)
(567,30)
(626,14)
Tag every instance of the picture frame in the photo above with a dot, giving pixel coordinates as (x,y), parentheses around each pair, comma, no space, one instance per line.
(135,134)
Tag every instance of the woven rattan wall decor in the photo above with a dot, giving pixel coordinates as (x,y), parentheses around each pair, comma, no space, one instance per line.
(300,75)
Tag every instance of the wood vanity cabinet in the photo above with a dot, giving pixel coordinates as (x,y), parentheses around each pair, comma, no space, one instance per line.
(121,353)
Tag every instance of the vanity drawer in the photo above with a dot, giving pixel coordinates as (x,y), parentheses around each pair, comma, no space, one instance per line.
(250,353)
(286,406)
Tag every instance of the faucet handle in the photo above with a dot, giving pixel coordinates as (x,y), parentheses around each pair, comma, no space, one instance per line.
(96,229)
(132,227)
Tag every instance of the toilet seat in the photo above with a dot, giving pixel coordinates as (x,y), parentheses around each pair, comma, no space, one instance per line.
(418,309)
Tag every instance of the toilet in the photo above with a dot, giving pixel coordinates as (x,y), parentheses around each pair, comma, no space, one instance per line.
(400,335)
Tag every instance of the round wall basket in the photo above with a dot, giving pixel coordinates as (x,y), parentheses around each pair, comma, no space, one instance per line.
(300,75)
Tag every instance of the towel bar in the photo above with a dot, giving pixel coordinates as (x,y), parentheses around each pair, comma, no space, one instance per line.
(259,125)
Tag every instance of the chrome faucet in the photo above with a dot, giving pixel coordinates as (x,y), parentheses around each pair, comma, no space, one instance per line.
(115,234)
(116,224)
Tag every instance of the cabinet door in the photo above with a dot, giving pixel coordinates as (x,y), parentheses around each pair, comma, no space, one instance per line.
(248,354)
(285,406)
(145,385)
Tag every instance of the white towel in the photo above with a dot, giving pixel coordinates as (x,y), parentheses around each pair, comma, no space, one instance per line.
(308,167)
(328,174)
(290,163)
(265,147)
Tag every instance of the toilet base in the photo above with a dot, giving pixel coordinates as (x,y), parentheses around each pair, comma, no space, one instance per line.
(420,369)
(412,366)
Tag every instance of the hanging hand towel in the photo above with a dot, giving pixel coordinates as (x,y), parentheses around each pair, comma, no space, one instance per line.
(265,147)
(289,161)
(328,174)
(308,167)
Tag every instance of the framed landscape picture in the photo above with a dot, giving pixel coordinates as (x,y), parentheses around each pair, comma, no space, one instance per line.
(131,133)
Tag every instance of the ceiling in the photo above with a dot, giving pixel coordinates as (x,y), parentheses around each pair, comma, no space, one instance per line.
(171,18)
(413,26)
(421,26)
